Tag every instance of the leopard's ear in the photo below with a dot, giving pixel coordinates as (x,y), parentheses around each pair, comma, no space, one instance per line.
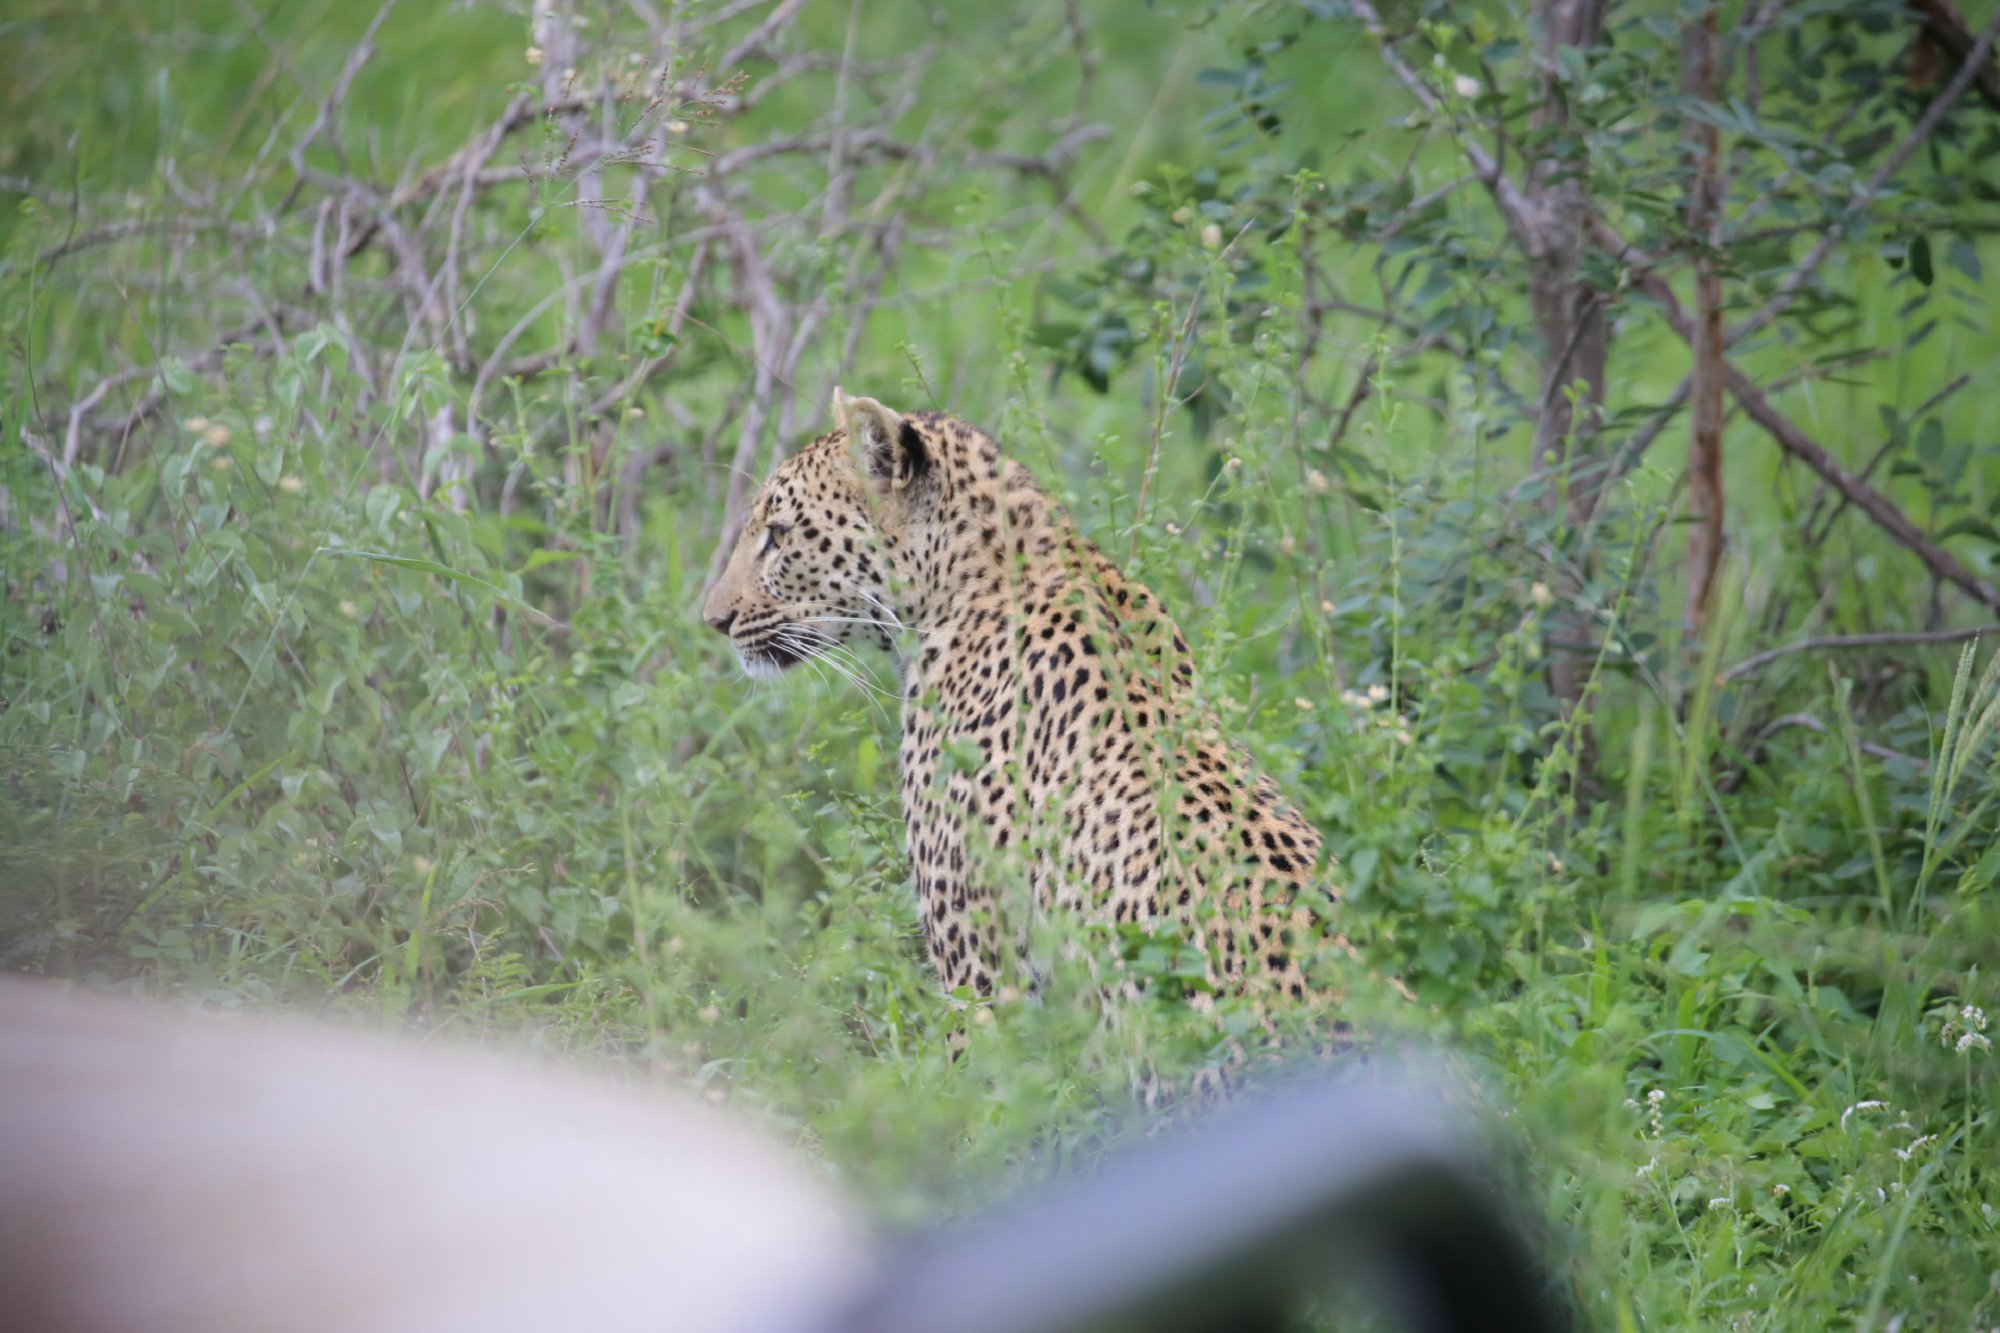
(889,448)
(837,409)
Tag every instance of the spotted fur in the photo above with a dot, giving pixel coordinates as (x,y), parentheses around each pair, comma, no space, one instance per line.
(1047,719)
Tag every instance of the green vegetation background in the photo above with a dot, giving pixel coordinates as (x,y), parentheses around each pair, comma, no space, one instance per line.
(1734,1003)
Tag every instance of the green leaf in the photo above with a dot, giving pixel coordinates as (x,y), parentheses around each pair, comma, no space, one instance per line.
(444,571)
(545,556)
(174,374)
(1920,260)
(1961,255)
(1970,526)
(1930,441)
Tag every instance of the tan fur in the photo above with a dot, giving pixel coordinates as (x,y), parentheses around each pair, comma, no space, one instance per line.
(1048,710)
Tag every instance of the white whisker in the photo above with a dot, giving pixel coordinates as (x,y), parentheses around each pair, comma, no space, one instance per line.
(849,620)
(841,659)
(881,606)
(845,658)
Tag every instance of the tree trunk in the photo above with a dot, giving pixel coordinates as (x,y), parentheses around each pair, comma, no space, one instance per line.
(1568,312)
(1569,317)
(1699,45)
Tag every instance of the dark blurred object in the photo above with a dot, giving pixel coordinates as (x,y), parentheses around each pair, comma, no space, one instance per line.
(164,1170)
(1374,1178)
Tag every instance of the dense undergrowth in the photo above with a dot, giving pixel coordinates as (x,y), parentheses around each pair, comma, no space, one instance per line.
(439,742)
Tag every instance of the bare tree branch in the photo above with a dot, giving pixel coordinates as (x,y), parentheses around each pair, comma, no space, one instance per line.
(1807,722)
(1842,642)
(1802,447)
(1946,30)
(1808,268)
(1521,215)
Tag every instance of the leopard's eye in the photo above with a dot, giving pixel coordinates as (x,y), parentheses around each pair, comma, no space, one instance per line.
(774,535)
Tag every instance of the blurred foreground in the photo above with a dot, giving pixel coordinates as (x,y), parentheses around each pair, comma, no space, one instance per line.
(172,1171)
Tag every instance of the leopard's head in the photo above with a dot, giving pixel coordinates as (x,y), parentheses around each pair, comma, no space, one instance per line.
(810,570)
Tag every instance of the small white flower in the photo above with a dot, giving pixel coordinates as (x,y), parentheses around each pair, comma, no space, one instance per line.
(291,485)
(1326,608)
(534,55)
(1465,86)
(1378,693)
(1316,481)
(1917,1145)
(1652,1164)
(1963,1028)
(1303,704)
(1656,1120)
(1211,237)
(1861,1106)
(1780,1190)
(1540,595)
(1288,545)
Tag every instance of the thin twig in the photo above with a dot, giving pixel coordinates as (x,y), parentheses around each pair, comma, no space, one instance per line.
(1808,268)
(1516,209)
(1946,29)
(1841,642)
(1807,722)
(1825,529)
(1801,446)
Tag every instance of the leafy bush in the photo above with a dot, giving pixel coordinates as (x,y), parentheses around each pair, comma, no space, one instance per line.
(348,654)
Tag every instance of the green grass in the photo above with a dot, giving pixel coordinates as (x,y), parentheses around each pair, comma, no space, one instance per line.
(279,731)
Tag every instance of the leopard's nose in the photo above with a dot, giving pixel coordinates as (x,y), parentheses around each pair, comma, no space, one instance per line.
(720,624)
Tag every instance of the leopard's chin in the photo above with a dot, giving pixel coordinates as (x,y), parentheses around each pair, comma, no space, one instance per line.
(768,661)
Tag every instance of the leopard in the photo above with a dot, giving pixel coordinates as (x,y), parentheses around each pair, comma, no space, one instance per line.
(1049,713)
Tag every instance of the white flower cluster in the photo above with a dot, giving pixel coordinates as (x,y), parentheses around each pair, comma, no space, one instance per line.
(1964,1029)
(1365,699)
(1656,1124)
(1361,701)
